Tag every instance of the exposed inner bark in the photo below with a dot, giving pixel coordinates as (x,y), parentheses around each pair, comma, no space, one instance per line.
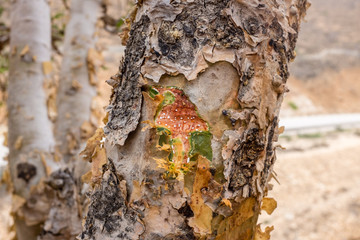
(230,59)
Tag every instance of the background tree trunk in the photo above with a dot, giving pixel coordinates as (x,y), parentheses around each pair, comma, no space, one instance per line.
(206,80)
(31,139)
(77,87)
(46,198)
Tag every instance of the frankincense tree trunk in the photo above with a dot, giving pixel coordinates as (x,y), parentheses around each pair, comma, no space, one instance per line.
(189,142)
(31,138)
(46,199)
(73,126)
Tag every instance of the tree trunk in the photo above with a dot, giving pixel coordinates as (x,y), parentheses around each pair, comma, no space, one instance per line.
(46,200)
(192,121)
(77,87)
(31,138)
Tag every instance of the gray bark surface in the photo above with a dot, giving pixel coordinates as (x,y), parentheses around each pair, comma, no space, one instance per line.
(31,139)
(73,124)
(46,188)
(75,89)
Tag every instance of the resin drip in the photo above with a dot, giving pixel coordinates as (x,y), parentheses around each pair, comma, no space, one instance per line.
(179,125)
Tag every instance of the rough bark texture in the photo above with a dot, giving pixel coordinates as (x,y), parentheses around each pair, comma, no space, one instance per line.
(31,138)
(229,58)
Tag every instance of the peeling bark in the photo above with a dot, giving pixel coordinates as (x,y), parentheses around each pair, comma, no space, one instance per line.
(230,59)
(126,99)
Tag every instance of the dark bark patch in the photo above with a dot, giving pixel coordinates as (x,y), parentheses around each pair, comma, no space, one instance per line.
(63,183)
(276,29)
(187,234)
(108,213)
(26,171)
(186,211)
(252,26)
(270,158)
(197,25)
(249,149)
(292,41)
(282,57)
(109,199)
(125,103)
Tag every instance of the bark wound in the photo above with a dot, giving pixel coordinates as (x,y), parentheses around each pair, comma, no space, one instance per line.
(26,171)
(125,103)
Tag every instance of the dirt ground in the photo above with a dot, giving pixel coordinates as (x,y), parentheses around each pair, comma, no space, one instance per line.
(319,195)
(330,92)
(325,74)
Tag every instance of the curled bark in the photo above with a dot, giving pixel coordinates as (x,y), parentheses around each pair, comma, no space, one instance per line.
(225,61)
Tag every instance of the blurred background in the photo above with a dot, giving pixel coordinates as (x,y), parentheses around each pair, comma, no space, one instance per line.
(318,175)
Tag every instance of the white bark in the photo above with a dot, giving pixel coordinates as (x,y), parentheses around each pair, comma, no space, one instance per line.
(74,102)
(30,131)
(74,98)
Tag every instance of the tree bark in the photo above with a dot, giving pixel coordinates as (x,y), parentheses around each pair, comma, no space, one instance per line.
(46,198)
(192,121)
(73,126)
(31,138)
(76,89)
